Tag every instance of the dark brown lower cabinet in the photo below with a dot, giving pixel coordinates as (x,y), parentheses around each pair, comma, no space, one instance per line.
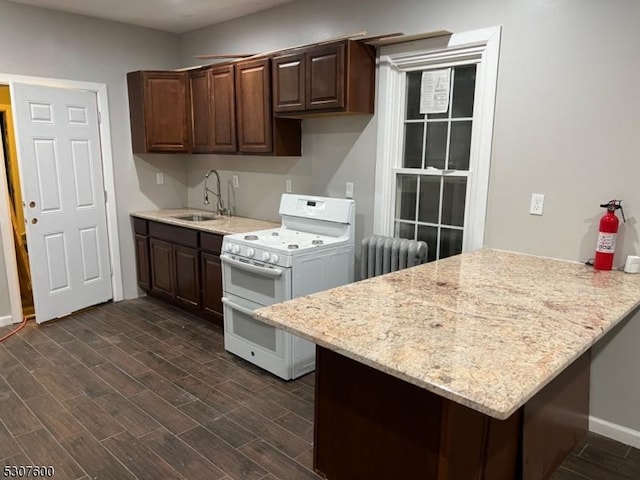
(180,265)
(142,261)
(187,275)
(211,284)
(162,272)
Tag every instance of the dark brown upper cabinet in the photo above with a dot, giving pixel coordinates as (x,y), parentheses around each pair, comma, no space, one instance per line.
(199,95)
(159,111)
(223,109)
(289,81)
(258,131)
(325,79)
(213,117)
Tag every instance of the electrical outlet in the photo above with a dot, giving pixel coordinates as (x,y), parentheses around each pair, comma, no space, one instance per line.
(288,186)
(537,204)
(160,178)
(236,180)
(349,190)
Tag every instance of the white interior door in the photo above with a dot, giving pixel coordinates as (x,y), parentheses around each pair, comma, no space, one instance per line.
(63,192)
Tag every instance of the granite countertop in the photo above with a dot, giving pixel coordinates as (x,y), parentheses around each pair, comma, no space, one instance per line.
(222,225)
(486,329)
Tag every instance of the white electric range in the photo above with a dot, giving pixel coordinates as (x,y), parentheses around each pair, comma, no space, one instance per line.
(313,250)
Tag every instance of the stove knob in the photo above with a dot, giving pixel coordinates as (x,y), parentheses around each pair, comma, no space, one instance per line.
(266,256)
(274,258)
(227,247)
(250,252)
(235,249)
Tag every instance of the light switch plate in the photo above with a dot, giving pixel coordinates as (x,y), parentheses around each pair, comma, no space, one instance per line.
(236,180)
(288,186)
(160,178)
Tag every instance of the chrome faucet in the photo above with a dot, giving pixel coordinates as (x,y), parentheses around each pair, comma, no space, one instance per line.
(220,210)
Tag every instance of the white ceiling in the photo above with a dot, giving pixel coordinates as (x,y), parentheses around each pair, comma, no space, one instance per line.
(177,16)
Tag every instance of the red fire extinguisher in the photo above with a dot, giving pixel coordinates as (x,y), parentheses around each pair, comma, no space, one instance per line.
(606,246)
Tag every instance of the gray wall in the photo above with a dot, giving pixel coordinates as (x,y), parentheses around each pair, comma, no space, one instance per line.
(46,43)
(567,117)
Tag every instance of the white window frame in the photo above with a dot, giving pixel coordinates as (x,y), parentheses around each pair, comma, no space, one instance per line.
(479,46)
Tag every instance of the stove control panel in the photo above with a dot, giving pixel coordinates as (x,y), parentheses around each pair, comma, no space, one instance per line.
(255,253)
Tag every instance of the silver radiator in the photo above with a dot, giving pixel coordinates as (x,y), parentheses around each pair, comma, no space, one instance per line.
(387,254)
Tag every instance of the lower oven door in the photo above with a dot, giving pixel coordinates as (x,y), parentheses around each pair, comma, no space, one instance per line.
(261,344)
(259,283)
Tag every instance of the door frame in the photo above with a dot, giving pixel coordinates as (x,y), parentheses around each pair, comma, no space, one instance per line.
(104,125)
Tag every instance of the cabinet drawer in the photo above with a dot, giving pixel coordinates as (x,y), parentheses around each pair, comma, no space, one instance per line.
(211,242)
(173,234)
(140,226)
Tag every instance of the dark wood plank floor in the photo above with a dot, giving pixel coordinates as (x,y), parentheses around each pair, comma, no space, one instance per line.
(139,389)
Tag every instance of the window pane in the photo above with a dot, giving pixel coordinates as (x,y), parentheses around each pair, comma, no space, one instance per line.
(414,80)
(429,235)
(406,197)
(429,199)
(464,86)
(436,144)
(460,145)
(405,230)
(453,200)
(450,242)
(413,145)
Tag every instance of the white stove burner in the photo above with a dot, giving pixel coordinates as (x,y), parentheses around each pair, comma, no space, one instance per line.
(251,237)
(293,246)
(317,241)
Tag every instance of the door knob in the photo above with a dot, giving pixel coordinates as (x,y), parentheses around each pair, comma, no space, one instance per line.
(32,204)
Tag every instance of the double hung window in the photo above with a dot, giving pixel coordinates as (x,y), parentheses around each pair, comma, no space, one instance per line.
(432,168)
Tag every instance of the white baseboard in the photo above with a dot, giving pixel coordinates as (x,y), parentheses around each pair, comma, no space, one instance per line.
(615,431)
(4,321)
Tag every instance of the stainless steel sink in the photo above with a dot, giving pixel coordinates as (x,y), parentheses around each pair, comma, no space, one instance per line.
(195,218)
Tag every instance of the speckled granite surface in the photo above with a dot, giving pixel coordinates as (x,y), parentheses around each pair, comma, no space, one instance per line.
(222,225)
(486,329)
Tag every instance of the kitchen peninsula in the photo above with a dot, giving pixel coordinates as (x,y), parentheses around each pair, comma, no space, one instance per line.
(472,367)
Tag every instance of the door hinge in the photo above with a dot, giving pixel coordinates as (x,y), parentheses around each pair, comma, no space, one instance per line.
(105,196)
(99,117)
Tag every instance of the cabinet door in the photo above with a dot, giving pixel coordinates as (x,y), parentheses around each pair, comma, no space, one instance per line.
(223,109)
(211,284)
(187,275)
(162,276)
(165,104)
(253,106)
(199,94)
(325,77)
(142,261)
(288,83)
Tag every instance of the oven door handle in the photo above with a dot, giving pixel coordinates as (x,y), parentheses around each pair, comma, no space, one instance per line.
(235,306)
(269,272)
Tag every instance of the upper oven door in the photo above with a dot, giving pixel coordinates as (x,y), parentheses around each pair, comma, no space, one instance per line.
(254,281)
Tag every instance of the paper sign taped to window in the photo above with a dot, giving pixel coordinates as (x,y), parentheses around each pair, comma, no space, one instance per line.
(434,91)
